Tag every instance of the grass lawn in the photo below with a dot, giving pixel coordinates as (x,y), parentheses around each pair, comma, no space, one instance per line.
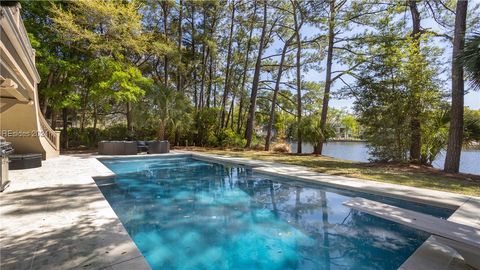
(409,175)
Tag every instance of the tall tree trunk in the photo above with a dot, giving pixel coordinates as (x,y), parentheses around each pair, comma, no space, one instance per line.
(165,9)
(177,137)
(205,51)
(215,84)
(455,134)
(328,72)
(161,131)
(240,111)
(275,93)
(299,78)
(415,124)
(53,121)
(202,84)
(129,117)
(211,56)
(180,37)
(227,68)
(316,149)
(256,78)
(195,93)
(84,110)
(230,111)
(65,128)
(245,66)
(44,106)
(45,101)
(95,119)
(210,78)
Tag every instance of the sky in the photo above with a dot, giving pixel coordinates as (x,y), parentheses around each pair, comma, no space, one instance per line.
(472,98)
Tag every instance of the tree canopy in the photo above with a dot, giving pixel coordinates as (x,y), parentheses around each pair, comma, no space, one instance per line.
(239,73)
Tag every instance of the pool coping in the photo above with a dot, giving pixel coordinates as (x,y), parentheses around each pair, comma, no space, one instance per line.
(430,255)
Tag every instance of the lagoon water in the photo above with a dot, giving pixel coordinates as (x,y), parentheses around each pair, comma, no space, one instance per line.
(358,151)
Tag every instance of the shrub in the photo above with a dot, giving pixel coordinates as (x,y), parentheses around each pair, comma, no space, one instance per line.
(228,138)
(205,126)
(117,132)
(281,148)
(90,137)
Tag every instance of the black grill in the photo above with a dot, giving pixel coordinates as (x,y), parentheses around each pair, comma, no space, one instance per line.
(5,150)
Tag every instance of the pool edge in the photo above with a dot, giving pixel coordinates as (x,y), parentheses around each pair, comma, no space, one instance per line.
(431,254)
(103,173)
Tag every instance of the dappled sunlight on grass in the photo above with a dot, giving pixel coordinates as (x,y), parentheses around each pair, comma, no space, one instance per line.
(416,176)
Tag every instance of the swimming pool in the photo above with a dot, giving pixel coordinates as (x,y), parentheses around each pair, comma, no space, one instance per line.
(184,213)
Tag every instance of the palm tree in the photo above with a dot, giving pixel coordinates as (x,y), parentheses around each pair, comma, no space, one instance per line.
(470,59)
(169,106)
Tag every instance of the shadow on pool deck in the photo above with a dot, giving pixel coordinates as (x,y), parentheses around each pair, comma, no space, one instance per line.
(61,227)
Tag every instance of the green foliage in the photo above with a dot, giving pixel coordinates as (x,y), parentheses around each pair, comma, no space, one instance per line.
(228,138)
(162,64)
(351,125)
(106,28)
(165,110)
(206,126)
(471,133)
(89,137)
(122,82)
(312,132)
(434,134)
(397,85)
(470,59)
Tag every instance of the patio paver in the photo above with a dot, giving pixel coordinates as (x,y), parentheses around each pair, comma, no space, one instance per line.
(55,217)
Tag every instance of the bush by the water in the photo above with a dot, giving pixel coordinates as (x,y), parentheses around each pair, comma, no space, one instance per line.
(281,148)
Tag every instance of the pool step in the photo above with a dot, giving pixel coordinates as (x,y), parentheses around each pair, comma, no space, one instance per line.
(464,239)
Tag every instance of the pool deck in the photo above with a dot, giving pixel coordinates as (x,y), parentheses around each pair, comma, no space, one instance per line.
(55,217)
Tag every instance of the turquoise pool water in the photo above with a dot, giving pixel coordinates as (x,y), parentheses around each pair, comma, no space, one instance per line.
(184,213)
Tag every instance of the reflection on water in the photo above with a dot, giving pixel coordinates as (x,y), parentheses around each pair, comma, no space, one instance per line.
(188,214)
(358,151)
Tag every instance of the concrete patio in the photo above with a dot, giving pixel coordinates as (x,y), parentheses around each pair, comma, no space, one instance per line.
(55,217)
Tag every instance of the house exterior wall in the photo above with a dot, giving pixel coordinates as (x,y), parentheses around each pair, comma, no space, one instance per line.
(21,121)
